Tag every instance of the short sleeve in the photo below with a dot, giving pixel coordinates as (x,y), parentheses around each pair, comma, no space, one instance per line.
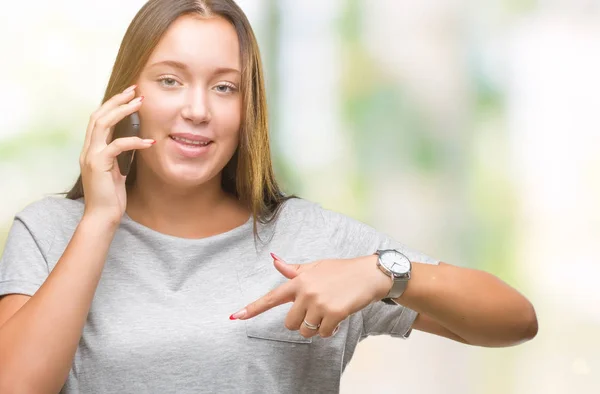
(23,267)
(354,238)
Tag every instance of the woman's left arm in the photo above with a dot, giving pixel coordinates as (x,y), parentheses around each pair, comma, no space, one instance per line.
(468,305)
(462,304)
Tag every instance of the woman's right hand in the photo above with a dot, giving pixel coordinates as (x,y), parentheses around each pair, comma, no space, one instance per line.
(103,185)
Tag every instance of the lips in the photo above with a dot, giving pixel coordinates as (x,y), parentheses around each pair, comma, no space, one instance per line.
(190,145)
(186,141)
(191,139)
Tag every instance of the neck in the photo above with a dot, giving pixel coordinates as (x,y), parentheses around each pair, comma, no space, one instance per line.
(184,212)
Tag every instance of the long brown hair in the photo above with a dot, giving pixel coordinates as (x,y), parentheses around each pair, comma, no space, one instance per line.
(249,174)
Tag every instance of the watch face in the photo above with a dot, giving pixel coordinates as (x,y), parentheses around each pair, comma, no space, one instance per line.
(395,262)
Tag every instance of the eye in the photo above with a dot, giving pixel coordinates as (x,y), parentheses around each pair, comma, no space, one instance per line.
(225,88)
(168,82)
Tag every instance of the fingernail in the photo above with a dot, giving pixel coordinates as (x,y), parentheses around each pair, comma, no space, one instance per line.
(130,89)
(149,141)
(137,100)
(335,331)
(238,315)
(276,257)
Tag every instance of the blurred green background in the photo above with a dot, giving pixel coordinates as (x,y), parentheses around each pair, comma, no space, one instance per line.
(467,130)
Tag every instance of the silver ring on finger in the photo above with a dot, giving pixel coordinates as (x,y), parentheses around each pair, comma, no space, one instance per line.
(311,326)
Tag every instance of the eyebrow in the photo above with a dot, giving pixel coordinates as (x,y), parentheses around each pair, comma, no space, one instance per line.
(183,67)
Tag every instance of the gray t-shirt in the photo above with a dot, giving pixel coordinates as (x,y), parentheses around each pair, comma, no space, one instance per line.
(159,320)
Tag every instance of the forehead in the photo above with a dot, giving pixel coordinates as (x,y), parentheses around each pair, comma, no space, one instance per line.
(201,44)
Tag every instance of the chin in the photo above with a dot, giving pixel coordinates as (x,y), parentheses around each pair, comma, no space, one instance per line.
(187,174)
(187,177)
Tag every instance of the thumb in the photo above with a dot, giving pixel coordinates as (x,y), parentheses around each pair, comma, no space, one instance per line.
(290,271)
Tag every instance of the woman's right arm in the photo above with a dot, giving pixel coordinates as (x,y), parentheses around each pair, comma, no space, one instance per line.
(38,343)
(39,340)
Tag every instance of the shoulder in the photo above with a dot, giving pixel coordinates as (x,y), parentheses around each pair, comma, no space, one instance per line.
(302,211)
(298,207)
(51,209)
(311,212)
(322,222)
(51,217)
(350,236)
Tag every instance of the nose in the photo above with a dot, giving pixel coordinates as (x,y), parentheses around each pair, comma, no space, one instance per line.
(197,106)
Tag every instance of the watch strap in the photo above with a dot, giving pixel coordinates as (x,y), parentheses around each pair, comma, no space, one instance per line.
(398,287)
(389,301)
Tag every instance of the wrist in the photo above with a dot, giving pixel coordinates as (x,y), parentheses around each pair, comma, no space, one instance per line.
(382,283)
(99,222)
(397,266)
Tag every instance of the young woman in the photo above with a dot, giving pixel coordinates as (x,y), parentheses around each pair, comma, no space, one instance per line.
(130,284)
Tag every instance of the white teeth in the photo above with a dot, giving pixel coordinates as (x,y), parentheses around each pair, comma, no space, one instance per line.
(185,140)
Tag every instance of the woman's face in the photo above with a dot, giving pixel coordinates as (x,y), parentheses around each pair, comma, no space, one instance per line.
(192,105)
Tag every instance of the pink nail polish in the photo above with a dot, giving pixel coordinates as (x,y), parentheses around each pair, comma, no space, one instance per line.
(238,315)
(275,257)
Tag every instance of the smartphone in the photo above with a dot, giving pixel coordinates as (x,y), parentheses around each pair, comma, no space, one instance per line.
(128,127)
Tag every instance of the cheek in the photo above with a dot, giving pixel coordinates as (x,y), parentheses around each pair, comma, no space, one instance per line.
(154,117)
(229,119)
(154,108)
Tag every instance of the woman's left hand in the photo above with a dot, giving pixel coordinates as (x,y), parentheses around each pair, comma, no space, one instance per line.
(324,293)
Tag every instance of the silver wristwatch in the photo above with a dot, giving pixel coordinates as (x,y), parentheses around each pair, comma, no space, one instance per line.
(397,266)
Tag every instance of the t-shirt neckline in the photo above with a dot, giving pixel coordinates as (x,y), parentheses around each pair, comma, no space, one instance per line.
(128,221)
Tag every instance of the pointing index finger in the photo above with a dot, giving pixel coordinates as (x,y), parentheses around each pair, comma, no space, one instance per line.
(278,296)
